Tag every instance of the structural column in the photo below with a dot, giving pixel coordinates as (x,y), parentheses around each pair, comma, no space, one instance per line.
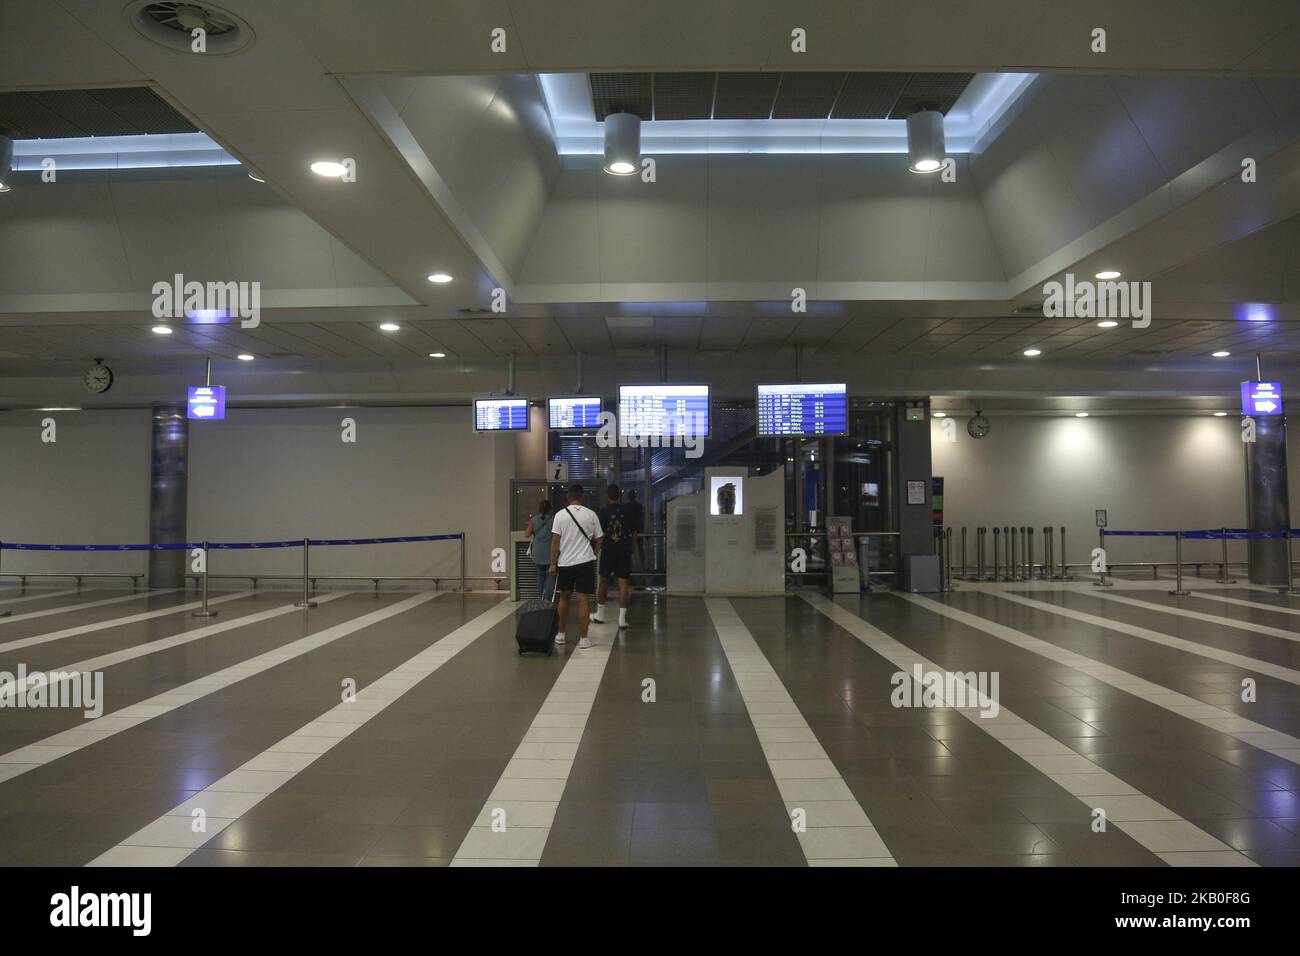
(912,463)
(1267,506)
(169,452)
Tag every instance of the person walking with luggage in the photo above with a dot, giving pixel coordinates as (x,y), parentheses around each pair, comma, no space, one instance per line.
(539,530)
(619,523)
(575,546)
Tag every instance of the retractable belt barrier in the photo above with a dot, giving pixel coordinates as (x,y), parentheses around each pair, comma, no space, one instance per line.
(1206,534)
(206,546)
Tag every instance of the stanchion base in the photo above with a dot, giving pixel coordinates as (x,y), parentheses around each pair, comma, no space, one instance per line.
(1225,581)
(204,614)
(1180,593)
(5,613)
(1104,584)
(305,604)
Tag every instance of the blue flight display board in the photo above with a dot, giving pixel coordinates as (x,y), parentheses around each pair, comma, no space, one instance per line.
(663,410)
(501,414)
(573,412)
(206,402)
(1261,398)
(796,410)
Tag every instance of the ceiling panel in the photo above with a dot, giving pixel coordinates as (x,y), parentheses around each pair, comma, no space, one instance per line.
(58,114)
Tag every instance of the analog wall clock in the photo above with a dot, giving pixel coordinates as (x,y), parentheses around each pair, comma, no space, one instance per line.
(98,378)
(978,426)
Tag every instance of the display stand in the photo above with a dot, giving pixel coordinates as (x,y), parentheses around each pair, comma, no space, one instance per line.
(842,556)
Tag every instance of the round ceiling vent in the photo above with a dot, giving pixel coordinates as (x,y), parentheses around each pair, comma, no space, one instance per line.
(172,24)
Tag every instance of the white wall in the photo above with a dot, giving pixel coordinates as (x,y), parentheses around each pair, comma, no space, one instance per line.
(1165,473)
(264,474)
(90,486)
(285,473)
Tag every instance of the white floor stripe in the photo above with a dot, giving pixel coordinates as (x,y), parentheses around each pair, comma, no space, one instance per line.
(838,831)
(1215,619)
(169,839)
(1207,715)
(39,597)
(1238,602)
(515,822)
(1156,637)
(66,608)
(1155,826)
(115,622)
(12,690)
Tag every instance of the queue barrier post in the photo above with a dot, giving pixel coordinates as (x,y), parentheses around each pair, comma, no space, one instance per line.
(1178,564)
(1223,562)
(997,552)
(2,551)
(205,611)
(1290,567)
(1049,561)
(964,571)
(947,560)
(462,562)
(306,601)
(1101,581)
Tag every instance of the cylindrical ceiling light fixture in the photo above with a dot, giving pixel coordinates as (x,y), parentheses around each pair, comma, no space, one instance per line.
(6,162)
(622,144)
(925,146)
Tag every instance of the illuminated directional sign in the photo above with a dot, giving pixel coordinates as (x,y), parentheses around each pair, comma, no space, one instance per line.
(206,402)
(1261,398)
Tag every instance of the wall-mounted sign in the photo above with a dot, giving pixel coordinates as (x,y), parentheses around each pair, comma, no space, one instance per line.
(916,492)
(206,402)
(1261,398)
(1101,517)
(557,469)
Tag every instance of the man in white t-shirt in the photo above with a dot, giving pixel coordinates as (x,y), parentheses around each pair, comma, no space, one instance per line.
(575,545)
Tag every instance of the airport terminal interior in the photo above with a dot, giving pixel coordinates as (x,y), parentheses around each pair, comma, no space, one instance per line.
(891,398)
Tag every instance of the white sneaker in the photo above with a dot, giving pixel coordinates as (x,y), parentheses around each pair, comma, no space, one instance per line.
(596,620)
(559,638)
(584,644)
(623,626)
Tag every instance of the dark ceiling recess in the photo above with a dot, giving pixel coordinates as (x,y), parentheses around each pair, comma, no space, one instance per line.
(59,114)
(813,95)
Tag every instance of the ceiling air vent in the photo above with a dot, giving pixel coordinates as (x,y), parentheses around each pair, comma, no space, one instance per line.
(172,24)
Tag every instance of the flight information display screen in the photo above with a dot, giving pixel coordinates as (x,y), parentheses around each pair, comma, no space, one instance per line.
(569,412)
(663,410)
(798,410)
(501,414)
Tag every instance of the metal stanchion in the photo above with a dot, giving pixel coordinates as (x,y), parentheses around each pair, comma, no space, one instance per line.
(997,552)
(1013,563)
(462,562)
(1223,564)
(965,573)
(1065,573)
(979,552)
(1049,562)
(1178,563)
(1101,581)
(4,613)
(306,594)
(205,611)
(1029,553)
(947,558)
(1290,567)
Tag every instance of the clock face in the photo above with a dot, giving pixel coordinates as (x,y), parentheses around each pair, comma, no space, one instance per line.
(99,379)
(978,426)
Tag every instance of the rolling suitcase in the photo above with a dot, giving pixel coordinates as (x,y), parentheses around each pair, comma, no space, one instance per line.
(537,626)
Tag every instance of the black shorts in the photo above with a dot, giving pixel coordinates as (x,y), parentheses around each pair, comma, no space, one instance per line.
(578,578)
(616,562)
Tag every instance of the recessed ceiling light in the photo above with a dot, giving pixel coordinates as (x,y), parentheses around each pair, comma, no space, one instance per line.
(328,167)
(245,357)
(1080,414)
(162,330)
(390,326)
(1220,354)
(439,277)
(1220,414)
(1032,352)
(936,415)
(437,355)
(1109,274)
(1107,324)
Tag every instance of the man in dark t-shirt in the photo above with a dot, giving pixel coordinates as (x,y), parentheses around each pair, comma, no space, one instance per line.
(621,529)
